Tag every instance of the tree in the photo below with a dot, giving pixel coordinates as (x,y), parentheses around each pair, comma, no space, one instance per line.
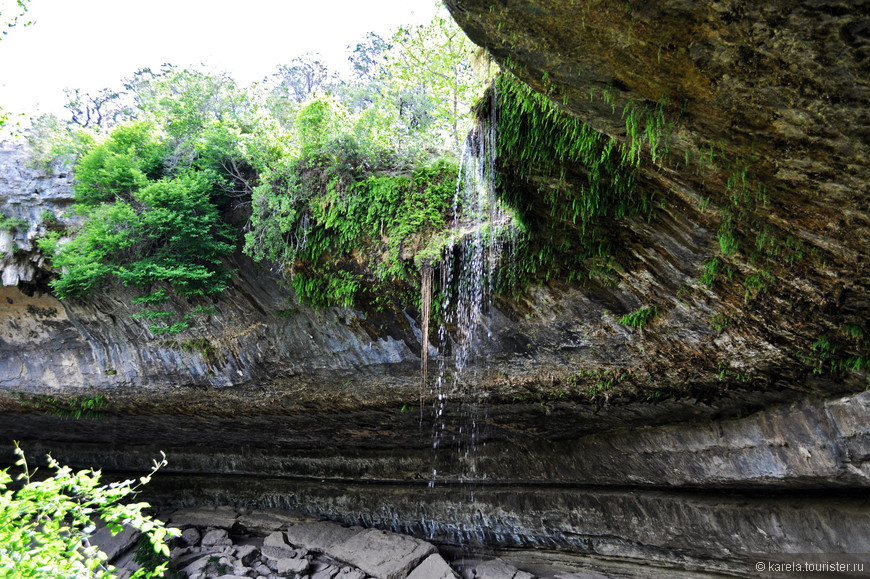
(433,61)
(45,525)
(10,18)
(99,111)
(159,193)
(369,74)
(51,138)
(416,90)
(302,77)
(144,225)
(367,58)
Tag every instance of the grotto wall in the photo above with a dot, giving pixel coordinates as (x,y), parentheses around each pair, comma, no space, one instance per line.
(761,166)
(734,420)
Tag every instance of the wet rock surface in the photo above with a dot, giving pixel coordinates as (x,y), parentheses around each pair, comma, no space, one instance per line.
(718,441)
(695,496)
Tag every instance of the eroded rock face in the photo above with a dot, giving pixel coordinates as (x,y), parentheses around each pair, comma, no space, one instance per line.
(784,84)
(38,198)
(594,437)
(769,141)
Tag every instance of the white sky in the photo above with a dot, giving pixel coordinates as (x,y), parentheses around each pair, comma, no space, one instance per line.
(93,44)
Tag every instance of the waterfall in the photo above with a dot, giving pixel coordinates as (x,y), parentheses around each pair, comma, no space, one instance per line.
(482,228)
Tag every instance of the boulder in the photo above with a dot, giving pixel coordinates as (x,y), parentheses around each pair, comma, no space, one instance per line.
(325,572)
(492,569)
(247,554)
(382,554)
(292,566)
(220,517)
(240,568)
(216,538)
(197,567)
(262,569)
(191,537)
(320,537)
(351,573)
(114,545)
(267,520)
(276,546)
(433,567)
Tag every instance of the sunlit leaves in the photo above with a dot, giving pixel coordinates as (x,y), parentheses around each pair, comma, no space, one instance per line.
(319,166)
(139,229)
(45,525)
(11,12)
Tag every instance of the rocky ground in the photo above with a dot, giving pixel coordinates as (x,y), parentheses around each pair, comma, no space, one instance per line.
(224,543)
(227,543)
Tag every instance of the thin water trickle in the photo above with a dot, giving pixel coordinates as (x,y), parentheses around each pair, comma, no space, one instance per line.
(482,239)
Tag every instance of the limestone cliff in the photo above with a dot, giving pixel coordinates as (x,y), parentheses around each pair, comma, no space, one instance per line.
(649,443)
(764,168)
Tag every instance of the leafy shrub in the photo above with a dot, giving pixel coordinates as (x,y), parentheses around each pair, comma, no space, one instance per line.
(13,224)
(78,407)
(120,166)
(314,216)
(45,524)
(140,229)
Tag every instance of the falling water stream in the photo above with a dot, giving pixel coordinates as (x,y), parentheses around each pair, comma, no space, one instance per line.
(482,236)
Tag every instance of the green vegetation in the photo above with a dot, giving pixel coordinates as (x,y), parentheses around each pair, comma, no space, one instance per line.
(344,185)
(719,322)
(841,352)
(647,128)
(550,151)
(596,382)
(145,224)
(639,318)
(757,283)
(13,224)
(201,345)
(153,560)
(327,209)
(171,324)
(45,524)
(543,142)
(337,183)
(713,269)
(77,407)
(727,374)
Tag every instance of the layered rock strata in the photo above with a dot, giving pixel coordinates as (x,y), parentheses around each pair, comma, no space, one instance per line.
(722,427)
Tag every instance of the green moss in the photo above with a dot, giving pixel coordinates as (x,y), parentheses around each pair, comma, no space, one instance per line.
(345,229)
(569,184)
